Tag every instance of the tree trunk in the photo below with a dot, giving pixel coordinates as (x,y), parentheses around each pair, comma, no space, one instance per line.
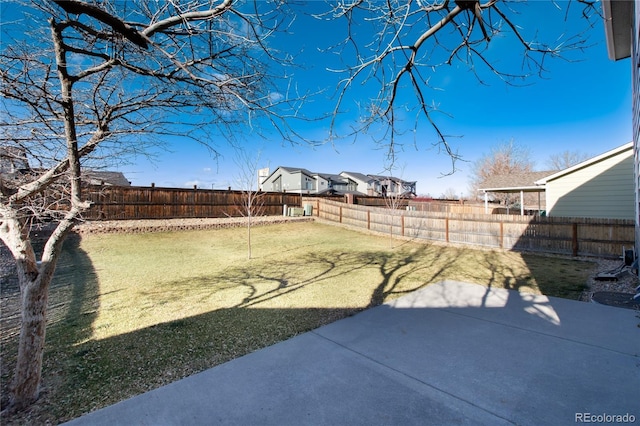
(34,279)
(249,236)
(34,295)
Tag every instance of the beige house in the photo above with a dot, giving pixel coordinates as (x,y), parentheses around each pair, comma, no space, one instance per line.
(601,187)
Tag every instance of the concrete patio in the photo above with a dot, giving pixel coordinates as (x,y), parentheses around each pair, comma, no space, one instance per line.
(451,353)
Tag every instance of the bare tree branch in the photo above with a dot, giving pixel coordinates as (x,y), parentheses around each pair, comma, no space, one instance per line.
(412,40)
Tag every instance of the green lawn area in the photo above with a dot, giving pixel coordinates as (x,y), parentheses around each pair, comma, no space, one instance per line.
(130,313)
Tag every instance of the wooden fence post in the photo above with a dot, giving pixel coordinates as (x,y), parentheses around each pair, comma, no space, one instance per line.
(340,214)
(501,234)
(402,224)
(574,239)
(446,229)
(369,219)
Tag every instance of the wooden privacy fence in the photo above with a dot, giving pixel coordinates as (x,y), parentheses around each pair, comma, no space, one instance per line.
(124,202)
(433,206)
(557,235)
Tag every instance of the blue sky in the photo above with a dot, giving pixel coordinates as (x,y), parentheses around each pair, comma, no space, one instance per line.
(580,105)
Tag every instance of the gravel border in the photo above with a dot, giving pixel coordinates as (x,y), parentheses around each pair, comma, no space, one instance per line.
(626,282)
(190,224)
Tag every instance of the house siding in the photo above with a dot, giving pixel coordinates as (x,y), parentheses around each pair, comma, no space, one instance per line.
(600,190)
(357,184)
(321,183)
(635,75)
(362,187)
(283,180)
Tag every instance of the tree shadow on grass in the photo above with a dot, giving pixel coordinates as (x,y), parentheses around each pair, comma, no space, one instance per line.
(429,263)
(332,274)
(557,277)
(74,301)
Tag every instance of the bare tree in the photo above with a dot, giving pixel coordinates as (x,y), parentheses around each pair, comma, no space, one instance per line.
(251,203)
(504,159)
(394,47)
(395,192)
(450,194)
(392,202)
(566,159)
(96,79)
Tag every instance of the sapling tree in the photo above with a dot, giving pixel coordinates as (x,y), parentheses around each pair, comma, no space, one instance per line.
(251,203)
(85,81)
(395,192)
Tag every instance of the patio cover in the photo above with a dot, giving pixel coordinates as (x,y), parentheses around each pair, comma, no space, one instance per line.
(515,183)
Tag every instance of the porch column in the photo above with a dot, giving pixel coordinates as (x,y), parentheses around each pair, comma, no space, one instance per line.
(539,204)
(486,203)
(521,203)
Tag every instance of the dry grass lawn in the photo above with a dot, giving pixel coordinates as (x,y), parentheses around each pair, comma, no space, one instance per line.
(129,313)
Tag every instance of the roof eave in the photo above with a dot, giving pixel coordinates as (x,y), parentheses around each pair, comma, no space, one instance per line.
(515,189)
(618,27)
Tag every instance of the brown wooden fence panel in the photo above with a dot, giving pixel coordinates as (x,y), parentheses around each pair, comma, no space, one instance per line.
(428,228)
(116,203)
(356,216)
(330,211)
(557,235)
(383,221)
(475,233)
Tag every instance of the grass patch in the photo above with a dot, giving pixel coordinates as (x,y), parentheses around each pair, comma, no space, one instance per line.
(129,313)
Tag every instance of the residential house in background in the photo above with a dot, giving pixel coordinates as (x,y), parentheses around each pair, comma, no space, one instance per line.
(380,186)
(390,186)
(291,179)
(333,183)
(364,183)
(601,187)
(14,163)
(13,160)
(95,177)
(303,181)
(621,20)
